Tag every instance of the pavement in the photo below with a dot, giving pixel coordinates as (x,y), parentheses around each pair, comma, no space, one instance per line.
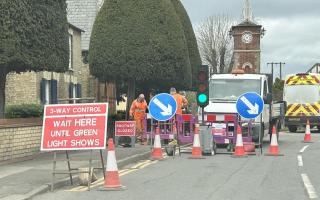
(293,176)
(25,179)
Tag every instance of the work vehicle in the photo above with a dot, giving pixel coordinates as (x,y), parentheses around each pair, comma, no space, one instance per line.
(302,94)
(221,113)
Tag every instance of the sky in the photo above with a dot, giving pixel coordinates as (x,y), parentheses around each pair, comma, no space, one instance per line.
(292,28)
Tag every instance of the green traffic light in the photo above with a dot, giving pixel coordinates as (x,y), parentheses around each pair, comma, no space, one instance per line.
(202,98)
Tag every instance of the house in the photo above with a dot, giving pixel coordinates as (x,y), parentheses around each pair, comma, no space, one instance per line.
(48,87)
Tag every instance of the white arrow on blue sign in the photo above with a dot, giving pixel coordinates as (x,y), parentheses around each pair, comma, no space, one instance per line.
(249,105)
(162,107)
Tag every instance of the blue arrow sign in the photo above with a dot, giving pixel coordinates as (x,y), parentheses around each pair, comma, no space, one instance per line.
(249,105)
(162,107)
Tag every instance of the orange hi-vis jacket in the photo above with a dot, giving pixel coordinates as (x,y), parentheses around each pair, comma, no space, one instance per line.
(138,109)
(181,101)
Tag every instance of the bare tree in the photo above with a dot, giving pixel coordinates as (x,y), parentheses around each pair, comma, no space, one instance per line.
(215,44)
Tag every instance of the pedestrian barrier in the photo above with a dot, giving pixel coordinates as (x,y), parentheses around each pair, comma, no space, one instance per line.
(186,127)
(182,126)
(224,128)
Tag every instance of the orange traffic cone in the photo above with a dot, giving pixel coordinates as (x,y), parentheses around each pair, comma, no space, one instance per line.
(112,180)
(196,148)
(157,153)
(239,149)
(273,148)
(307,135)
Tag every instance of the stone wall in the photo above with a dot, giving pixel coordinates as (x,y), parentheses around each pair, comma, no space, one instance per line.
(21,88)
(20,138)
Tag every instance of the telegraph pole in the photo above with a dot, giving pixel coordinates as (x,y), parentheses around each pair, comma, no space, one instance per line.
(272,70)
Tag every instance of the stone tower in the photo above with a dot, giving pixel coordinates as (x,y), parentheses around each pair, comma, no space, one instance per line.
(246,36)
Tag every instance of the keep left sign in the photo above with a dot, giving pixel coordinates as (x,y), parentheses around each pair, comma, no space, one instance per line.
(74,127)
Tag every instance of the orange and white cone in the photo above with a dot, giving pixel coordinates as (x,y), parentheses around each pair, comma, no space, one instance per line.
(112,180)
(274,147)
(196,148)
(239,149)
(157,153)
(307,135)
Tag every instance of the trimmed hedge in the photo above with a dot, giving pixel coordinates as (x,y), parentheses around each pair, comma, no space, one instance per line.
(194,55)
(24,111)
(34,35)
(142,39)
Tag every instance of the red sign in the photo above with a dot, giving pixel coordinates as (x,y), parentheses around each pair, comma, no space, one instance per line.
(74,126)
(125,128)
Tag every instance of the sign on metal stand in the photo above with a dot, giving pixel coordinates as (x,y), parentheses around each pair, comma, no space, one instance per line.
(74,127)
(162,108)
(125,128)
(249,106)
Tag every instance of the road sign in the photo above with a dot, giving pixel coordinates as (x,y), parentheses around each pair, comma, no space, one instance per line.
(74,127)
(125,128)
(250,105)
(162,107)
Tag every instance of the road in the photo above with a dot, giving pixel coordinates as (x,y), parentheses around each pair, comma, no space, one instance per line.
(294,176)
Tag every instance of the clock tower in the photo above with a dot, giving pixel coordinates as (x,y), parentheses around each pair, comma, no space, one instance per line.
(246,37)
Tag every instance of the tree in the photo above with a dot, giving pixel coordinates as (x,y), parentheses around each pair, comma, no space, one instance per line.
(140,41)
(194,55)
(33,37)
(215,44)
(277,89)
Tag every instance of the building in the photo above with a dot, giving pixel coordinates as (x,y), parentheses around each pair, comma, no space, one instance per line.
(82,13)
(48,87)
(246,37)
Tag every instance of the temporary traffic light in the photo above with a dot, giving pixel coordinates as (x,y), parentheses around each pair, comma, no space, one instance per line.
(203,86)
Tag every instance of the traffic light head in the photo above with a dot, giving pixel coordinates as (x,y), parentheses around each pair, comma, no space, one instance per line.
(203,86)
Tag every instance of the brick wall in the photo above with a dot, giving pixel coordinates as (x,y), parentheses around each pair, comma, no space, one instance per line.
(19,140)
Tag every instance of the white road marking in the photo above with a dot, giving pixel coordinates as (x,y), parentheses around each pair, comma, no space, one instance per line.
(309,187)
(13,170)
(300,162)
(304,148)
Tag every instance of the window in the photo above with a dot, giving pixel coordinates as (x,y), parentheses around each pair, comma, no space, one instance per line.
(265,88)
(70,52)
(49,91)
(75,91)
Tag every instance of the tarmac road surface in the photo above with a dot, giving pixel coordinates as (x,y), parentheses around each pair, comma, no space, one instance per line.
(294,176)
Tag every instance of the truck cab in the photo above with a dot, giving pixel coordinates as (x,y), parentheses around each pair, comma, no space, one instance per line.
(224,90)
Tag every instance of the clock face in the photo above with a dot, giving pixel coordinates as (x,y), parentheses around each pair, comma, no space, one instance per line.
(247,37)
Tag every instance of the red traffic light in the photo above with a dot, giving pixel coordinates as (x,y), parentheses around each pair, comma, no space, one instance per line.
(202,76)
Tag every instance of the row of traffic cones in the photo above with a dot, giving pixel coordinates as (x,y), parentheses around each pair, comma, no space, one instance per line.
(112,181)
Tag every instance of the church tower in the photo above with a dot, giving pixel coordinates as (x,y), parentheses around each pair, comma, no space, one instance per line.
(246,37)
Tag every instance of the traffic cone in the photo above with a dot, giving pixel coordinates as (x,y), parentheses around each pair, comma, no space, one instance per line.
(239,149)
(273,148)
(112,180)
(157,153)
(307,135)
(196,148)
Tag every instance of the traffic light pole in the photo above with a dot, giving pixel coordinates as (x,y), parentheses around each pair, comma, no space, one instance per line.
(202,113)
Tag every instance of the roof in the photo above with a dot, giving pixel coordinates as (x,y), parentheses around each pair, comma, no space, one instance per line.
(247,23)
(238,76)
(82,13)
(76,28)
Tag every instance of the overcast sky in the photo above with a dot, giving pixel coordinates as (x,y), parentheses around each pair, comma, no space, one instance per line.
(293,28)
